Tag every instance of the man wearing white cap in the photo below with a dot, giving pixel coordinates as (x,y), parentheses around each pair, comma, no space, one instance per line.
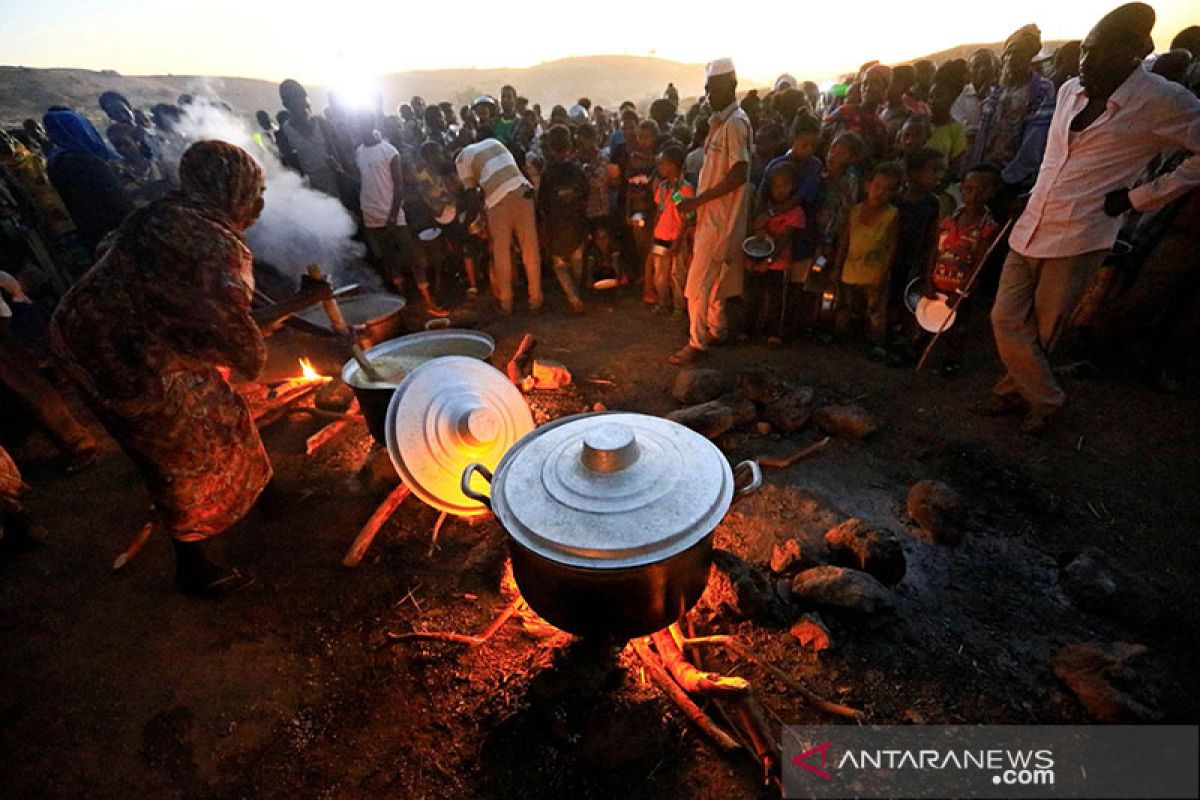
(721,204)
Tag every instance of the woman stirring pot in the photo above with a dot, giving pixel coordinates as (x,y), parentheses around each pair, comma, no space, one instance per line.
(143,334)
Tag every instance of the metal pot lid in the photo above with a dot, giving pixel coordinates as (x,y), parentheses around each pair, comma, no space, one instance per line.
(395,358)
(446,414)
(612,490)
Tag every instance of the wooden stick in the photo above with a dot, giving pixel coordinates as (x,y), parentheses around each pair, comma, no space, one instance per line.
(459,638)
(690,679)
(367,535)
(134,546)
(810,697)
(437,528)
(276,408)
(684,703)
(338,323)
(799,455)
(748,716)
(521,359)
(322,437)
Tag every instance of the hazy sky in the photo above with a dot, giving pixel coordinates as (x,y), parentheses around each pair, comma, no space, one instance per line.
(331,43)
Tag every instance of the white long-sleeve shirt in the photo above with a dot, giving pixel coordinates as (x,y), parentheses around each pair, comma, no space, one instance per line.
(1147,115)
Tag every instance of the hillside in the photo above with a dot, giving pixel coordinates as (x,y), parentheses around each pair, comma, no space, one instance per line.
(607,80)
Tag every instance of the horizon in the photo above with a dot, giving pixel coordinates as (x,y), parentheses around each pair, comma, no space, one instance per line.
(258,45)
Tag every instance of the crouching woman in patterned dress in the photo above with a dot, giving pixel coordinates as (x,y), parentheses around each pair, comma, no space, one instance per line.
(143,334)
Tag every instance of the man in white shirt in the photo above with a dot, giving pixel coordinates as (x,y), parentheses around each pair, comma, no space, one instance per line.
(968,107)
(384,225)
(1108,123)
(721,205)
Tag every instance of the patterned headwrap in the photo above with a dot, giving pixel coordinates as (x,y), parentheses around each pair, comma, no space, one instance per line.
(1027,37)
(223,177)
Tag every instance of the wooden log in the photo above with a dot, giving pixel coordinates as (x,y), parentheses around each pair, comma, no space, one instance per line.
(799,455)
(323,436)
(691,679)
(362,542)
(522,361)
(679,698)
(460,638)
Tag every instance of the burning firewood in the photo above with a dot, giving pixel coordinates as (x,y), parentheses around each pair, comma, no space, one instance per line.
(367,535)
(460,638)
(521,363)
(676,695)
(691,679)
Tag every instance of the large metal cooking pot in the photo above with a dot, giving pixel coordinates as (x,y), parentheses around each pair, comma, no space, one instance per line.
(610,519)
(372,318)
(395,358)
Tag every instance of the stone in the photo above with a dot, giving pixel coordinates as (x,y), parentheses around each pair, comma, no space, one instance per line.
(700,385)
(845,421)
(378,474)
(738,591)
(1114,681)
(812,633)
(761,386)
(785,557)
(877,552)
(715,417)
(763,428)
(1098,585)
(334,396)
(599,407)
(842,588)
(938,510)
(791,412)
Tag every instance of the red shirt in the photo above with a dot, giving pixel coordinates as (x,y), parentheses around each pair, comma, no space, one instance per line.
(778,225)
(669,222)
(960,246)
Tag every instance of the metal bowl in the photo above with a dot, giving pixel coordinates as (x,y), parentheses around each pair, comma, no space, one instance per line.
(407,351)
(758,247)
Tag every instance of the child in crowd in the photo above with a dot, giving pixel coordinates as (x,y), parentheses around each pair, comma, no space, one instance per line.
(866,250)
(768,145)
(963,239)
(805,138)
(837,195)
(669,252)
(640,167)
(595,164)
(782,219)
(947,135)
(919,212)
(562,209)
(437,182)
(913,135)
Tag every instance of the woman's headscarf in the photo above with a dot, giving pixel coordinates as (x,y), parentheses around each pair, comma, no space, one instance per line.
(224,178)
(70,132)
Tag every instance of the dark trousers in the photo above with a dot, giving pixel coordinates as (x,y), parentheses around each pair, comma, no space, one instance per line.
(395,253)
(764,293)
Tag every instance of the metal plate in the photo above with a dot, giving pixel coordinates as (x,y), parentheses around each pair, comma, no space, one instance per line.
(409,352)
(933,314)
(612,490)
(447,413)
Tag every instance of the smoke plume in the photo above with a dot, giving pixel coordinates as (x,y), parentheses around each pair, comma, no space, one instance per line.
(299,225)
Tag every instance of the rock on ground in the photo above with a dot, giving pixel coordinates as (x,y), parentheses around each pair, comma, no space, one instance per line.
(841,587)
(856,544)
(845,421)
(737,590)
(716,417)
(378,474)
(761,386)
(792,411)
(700,385)
(1113,681)
(938,510)
(1098,585)
(812,633)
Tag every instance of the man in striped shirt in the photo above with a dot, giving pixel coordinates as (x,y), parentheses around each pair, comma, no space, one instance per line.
(488,167)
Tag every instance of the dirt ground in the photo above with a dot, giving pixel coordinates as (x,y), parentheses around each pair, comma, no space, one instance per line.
(113,685)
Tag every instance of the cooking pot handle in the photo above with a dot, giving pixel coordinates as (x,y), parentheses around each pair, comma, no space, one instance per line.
(755,480)
(466,483)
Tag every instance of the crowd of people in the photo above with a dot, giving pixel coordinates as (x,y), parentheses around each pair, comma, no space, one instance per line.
(776,216)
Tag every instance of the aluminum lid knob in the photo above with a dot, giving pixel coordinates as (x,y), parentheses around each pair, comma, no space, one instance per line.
(479,425)
(610,448)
